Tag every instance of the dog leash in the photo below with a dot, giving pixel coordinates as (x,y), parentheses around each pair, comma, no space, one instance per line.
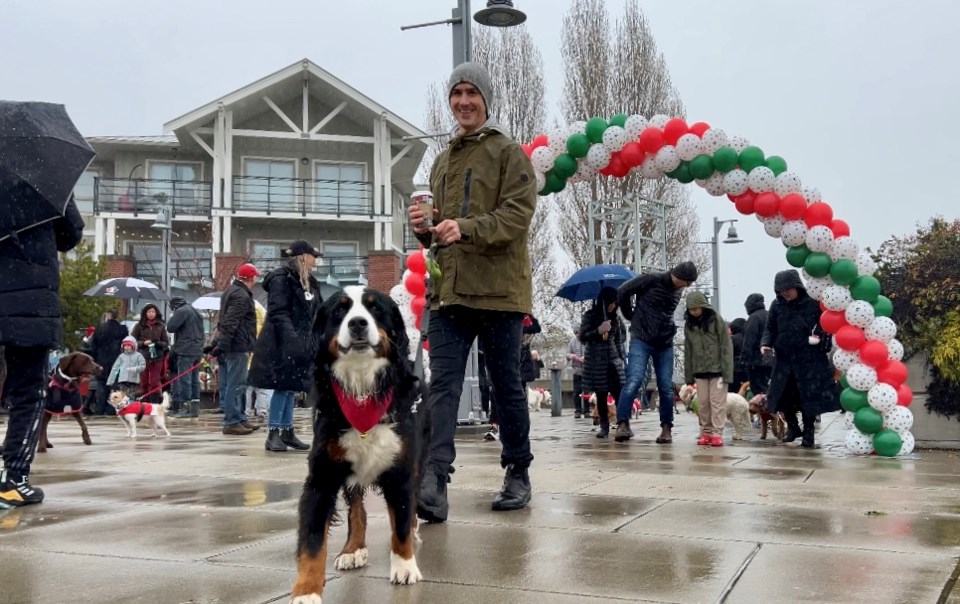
(160,388)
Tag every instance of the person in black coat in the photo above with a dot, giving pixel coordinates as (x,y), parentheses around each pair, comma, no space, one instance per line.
(802,379)
(30,326)
(284,354)
(105,348)
(186,325)
(602,333)
(236,336)
(757,366)
(739,369)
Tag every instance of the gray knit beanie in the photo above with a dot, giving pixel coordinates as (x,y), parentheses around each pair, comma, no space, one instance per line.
(476,74)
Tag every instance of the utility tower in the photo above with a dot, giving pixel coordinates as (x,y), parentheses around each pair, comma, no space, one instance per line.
(631,230)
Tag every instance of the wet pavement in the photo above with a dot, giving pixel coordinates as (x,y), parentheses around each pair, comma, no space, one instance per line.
(203,517)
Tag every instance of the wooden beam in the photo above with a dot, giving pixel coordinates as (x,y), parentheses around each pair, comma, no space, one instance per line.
(400,155)
(306,104)
(282,115)
(332,138)
(327,119)
(202,144)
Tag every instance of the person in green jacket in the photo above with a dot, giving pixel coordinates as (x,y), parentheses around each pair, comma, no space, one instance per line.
(708,363)
(485,193)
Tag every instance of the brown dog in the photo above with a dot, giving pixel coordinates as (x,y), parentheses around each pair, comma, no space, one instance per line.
(758,406)
(63,394)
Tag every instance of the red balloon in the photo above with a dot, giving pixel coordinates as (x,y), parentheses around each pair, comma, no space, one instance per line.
(674,129)
(416,263)
(850,338)
(793,206)
(632,154)
(767,204)
(904,395)
(651,139)
(699,128)
(874,353)
(840,228)
(832,320)
(527,149)
(745,202)
(417,305)
(818,214)
(893,373)
(426,344)
(617,167)
(415,284)
(418,321)
(539,140)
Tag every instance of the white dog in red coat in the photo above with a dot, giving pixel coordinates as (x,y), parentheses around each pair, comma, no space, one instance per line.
(537,398)
(129,412)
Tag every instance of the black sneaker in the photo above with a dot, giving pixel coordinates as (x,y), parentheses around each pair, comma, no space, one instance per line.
(515,494)
(18,493)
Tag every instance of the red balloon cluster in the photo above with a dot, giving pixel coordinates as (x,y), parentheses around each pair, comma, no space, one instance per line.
(850,338)
(416,284)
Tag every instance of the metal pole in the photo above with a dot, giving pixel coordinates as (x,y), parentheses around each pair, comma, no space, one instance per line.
(556,402)
(716,265)
(165,262)
(462,36)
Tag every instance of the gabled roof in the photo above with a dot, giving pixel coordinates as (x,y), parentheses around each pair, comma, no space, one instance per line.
(294,71)
(160,139)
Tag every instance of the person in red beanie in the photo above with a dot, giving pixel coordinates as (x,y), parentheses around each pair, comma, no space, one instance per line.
(237,334)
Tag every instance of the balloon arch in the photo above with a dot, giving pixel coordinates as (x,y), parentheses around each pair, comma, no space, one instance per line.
(874,394)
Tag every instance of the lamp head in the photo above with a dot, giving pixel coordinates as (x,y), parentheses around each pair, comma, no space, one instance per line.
(500,13)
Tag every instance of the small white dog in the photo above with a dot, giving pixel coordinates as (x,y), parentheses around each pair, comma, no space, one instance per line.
(128,412)
(537,398)
(738,409)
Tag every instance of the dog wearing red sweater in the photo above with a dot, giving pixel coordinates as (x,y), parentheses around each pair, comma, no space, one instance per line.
(130,411)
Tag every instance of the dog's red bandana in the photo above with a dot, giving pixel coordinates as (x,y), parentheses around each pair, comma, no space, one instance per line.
(362,413)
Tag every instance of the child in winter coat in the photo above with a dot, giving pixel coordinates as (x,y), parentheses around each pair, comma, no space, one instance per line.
(708,362)
(126,371)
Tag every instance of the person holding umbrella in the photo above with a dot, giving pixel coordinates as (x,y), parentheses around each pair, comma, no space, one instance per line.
(601,332)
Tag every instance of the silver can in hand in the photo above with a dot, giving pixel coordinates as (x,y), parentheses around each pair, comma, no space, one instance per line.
(424,199)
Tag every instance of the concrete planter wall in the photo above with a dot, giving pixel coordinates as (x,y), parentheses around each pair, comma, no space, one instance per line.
(932,431)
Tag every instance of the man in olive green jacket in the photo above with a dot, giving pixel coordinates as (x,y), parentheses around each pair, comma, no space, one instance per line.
(485,194)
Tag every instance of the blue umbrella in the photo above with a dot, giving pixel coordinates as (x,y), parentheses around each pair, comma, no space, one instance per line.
(586,283)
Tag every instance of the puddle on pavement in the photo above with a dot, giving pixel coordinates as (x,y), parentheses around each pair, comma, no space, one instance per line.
(235,495)
(46,514)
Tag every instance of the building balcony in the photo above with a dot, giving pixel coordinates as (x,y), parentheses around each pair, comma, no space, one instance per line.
(339,270)
(147,196)
(302,197)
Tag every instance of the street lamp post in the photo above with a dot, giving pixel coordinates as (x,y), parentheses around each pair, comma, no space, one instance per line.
(164,224)
(715,248)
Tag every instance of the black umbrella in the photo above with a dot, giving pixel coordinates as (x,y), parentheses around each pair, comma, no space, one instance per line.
(127,288)
(42,156)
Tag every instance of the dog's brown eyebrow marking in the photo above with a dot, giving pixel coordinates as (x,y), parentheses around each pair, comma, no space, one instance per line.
(369,299)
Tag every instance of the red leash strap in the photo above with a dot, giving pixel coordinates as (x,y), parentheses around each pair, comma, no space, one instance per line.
(175,378)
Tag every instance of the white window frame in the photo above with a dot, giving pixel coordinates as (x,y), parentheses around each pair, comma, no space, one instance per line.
(293,160)
(328,162)
(356,253)
(151,162)
(99,174)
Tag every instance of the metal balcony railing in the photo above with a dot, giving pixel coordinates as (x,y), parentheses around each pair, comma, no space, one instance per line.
(146,195)
(301,196)
(342,268)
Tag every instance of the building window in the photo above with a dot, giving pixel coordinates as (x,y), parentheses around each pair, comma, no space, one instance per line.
(174,183)
(341,188)
(189,262)
(265,255)
(340,258)
(83,192)
(269,185)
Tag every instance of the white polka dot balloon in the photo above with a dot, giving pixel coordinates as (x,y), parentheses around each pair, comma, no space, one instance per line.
(634,125)
(845,359)
(542,159)
(650,169)
(882,397)
(844,248)
(859,313)
(773,225)
(714,185)
(881,328)
(557,141)
(659,120)
(848,420)
(794,233)
(598,157)
(819,239)
(541,179)
(761,179)
(836,297)
(736,182)
(585,171)
(739,143)
(786,183)
(858,443)
(899,419)
(713,139)
(861,377)
(895,348)
(865,264)
(614,138)
(667,158)
(689,146)
(811,194)
(579,126)
(815,286)
(908,443)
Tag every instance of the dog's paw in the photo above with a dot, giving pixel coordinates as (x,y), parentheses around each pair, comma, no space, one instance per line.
(403,572)
(307,599)
(357,559)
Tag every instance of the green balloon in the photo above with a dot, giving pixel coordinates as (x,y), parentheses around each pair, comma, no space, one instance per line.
(797,256)
(777,164)
(578,144)
(725,159)
(619,119)
(565,166)
(883,307)
(843,272)
(554,182)
(843,381)
(682,173)
(750,158)
(853,400)
(701,167)
(866,288)
(817,264)
(887,443)
(868,420)
(596,126)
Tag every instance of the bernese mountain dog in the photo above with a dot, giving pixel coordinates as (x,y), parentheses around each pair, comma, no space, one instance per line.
(371,429)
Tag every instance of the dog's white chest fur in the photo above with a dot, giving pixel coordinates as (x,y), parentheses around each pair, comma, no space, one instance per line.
(370,456)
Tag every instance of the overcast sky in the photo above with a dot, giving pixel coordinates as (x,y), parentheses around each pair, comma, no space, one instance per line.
(859,96)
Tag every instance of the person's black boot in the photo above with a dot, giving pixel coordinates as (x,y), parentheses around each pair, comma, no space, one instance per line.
(432,503)
(274,442)
(809,431)
(604,430)
(291,440)
(793,428)
(515,494)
